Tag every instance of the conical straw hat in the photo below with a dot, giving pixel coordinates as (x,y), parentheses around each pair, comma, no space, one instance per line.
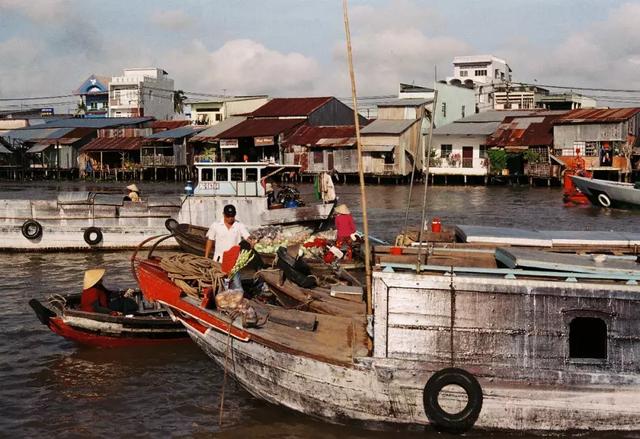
(133,188)
(343,209)
(92,277)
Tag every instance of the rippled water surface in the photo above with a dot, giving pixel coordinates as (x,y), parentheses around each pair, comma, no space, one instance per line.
(50,387)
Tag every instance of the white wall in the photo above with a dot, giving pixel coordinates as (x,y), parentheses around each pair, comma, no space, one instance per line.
(457,142)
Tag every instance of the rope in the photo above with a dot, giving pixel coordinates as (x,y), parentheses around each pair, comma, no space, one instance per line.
(193,273)
(224,379)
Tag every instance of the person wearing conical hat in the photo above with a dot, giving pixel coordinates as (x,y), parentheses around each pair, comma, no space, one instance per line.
(134,192)
(95,297)
(345,227)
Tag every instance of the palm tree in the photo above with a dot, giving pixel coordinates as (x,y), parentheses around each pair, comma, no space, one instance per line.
(179,99)
(81,109)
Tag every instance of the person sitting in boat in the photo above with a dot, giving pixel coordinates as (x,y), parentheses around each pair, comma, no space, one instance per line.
(345,228)
(271,197)
(97,298)
(225,234)
(134,193)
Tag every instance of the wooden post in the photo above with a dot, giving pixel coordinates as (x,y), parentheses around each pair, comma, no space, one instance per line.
(363,195)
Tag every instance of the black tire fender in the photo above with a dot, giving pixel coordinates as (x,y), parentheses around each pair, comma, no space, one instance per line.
(93,231)
(442,420)
(31,229)
(171,224)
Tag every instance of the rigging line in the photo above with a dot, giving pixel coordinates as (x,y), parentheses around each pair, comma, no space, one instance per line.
(36,98)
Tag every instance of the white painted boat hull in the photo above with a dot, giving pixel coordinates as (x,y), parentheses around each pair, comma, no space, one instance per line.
(377,392)
(619,194)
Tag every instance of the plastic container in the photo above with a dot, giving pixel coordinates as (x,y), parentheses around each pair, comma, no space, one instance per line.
(436,225)
(395,251)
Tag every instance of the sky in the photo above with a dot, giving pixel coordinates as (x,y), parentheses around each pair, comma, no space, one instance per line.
(297,47)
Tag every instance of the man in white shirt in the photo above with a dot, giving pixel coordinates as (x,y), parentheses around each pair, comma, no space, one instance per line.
(223,235)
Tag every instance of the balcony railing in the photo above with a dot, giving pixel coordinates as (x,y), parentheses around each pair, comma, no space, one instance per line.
(149,161)
(467,162)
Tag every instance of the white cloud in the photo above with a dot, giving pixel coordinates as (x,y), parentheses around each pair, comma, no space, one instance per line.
(242,67)
(172,19)
(603,54)
(39,11)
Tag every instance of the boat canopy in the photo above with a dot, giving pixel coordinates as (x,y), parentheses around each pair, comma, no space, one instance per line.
(239,179)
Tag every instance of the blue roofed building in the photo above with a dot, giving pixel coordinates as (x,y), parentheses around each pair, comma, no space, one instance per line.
(94,93)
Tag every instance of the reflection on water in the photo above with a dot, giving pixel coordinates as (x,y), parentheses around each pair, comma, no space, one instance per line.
(53,388)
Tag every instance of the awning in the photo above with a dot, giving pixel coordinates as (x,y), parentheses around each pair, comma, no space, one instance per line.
(336,142)
(38,148)
(378,148)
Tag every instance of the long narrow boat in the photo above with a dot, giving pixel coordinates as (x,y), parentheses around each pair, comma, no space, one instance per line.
(607,193)
(517,349)
(153,325)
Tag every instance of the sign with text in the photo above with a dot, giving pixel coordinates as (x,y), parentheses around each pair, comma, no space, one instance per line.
(228,143)
(263,141)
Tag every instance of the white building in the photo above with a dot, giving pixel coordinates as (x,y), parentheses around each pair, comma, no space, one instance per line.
(213,111)
(481,73)
(454,102)
(142,92)
(460,148)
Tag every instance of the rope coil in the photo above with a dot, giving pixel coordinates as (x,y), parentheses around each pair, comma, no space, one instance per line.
(193,273)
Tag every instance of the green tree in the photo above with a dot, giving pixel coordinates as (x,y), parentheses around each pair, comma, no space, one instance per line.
(497,160)
(179,99)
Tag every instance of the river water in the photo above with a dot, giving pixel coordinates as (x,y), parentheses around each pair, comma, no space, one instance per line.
(53,388)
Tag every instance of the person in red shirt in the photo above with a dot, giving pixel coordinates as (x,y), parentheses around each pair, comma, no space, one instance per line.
(95,297)
(345,227)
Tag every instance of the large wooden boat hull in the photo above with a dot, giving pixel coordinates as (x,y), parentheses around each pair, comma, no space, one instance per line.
(606,193)
(389,389)
(103,330)
(84,221)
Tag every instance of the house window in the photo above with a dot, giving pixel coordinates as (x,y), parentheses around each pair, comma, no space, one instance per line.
(588,338)
(462,111)
(222,174)
(236,174)
(444,109)
(207,174)
(483,151)
(252,174)
(480,72)
(590,149)
(497,75)
(218,117)
(318,157)
(464,73)
(445,150)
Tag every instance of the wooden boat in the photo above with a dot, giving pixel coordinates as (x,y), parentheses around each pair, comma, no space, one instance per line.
(607,193)
(453,347)
(243,184)
(84,221)
(150,325)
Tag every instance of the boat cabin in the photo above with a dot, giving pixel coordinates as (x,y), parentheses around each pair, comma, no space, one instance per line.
(237,179)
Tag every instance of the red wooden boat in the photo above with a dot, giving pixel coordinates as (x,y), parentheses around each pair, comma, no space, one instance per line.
(152,324)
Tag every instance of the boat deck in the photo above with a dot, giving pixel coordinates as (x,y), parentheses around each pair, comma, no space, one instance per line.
(332,339)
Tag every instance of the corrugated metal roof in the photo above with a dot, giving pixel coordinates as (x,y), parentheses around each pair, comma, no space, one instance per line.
(524,131)
(176,133)
(159,125)
(388,126)
(38,147)
(334,142)
(279,107)
(470,129)
(96,122)
(211,133)
(260,127)
(498,115)
(113,144)
(4,150)
(408,102)
(597,115)
(310,135)
(33,134)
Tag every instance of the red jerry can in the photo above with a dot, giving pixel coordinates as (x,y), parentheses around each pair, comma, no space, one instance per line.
(436,225)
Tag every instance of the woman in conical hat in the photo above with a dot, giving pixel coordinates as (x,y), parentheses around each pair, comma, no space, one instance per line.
(134,192)
(345,227)
(95,297)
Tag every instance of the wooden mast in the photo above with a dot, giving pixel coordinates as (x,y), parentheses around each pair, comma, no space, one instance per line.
(363,195)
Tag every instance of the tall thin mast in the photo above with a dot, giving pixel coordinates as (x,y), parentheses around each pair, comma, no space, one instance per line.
(363,195)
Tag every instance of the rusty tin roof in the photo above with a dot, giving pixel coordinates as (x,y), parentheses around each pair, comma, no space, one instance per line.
(597,115)
(280,107)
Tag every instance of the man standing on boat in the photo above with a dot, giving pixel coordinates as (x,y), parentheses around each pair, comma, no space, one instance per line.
(223,235)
